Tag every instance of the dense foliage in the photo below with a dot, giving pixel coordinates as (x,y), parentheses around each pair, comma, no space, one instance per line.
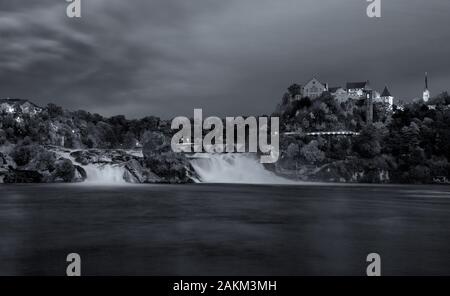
(409,144)
(79,129)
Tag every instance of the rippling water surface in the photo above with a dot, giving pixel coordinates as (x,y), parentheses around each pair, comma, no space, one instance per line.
(224,229)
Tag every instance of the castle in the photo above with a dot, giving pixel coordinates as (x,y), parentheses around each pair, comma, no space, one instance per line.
(353,90)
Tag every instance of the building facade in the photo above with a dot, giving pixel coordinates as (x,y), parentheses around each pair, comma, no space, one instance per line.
(355,90)
(386,97)
(314,88)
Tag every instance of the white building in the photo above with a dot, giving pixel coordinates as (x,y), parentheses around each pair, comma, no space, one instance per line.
(13,106)
(355,90)
(426,92)
(386,97)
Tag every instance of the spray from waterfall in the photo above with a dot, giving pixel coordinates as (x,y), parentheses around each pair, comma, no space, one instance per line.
(233,168)
(106,174)
(98,173)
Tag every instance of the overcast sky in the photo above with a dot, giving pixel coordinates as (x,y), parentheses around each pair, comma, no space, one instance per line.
(229,57)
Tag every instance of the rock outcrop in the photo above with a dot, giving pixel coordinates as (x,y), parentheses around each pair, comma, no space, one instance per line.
(169,166)
(36,164)
(136,173)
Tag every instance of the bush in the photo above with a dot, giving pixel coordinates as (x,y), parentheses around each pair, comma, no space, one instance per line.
(22,155)
(311,152)
(64,170)
(2,137)
(155,142)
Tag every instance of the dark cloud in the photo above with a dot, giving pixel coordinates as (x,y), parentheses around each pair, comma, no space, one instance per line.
(165,57)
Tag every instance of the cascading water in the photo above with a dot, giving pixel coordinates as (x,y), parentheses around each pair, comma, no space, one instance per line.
(104,174)
(98,173)
(233,168)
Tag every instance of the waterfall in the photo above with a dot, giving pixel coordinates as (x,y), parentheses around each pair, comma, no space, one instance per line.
(98,173)
(233,168)
(104,174)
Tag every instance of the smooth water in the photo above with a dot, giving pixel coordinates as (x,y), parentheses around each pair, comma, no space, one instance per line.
(220,229)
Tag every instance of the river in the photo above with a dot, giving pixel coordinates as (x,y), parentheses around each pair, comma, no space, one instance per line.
(224,229)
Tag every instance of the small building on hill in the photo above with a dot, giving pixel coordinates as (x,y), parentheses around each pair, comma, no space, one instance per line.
(16,106)
(355,90)
(314,88)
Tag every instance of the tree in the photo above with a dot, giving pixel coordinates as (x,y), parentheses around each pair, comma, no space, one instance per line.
(295,89)
(129,140)
(155,142)
(22,155)
(311,152)
(54,110)
(368,143)
(65,170)
(304,103)
(2,137)
(292,151)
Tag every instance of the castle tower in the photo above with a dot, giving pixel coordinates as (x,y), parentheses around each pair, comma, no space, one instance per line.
(426,92)
(386,96)
(368,93)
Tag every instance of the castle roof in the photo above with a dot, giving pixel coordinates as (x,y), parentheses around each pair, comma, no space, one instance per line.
(333,89)
(386,92)
(356,85)
(317,79)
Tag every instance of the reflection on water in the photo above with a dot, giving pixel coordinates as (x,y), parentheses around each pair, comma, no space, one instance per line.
(224,229)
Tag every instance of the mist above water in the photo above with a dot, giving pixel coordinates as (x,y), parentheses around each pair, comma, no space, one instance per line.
(233,168)
(100,173)
(105,174)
